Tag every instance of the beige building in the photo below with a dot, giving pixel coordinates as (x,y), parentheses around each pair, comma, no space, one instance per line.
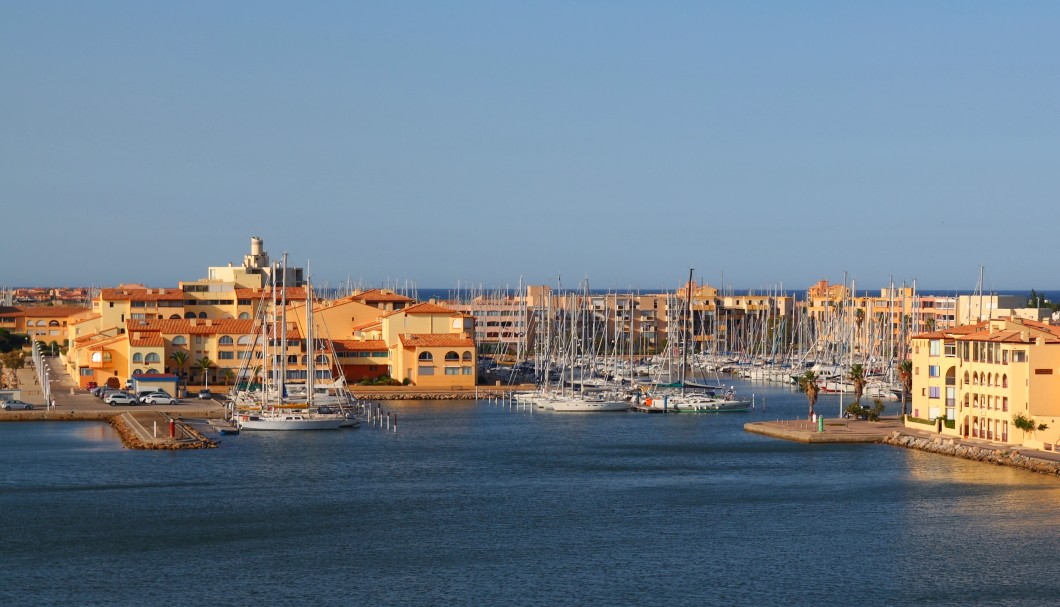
(975,381)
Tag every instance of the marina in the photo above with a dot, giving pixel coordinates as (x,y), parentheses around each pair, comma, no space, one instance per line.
(471,499)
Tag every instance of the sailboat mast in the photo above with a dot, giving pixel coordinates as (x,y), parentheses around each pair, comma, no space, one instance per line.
(688,329)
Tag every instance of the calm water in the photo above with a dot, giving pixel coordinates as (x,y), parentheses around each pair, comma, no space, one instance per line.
(474,504)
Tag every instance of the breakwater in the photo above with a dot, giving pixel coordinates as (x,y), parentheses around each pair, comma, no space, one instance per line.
(999,456)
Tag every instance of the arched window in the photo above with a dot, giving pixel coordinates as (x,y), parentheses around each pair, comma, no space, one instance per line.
(322,360)
(53,323)
(426,356)
(189,315)
(40,323)
(244,316)
(226,340)
(202,314)
(1004,380)
(451,356)
(138,358)
(174,317)
(245,340)
(152,371)
(152,358)
(966,378)
(467,355)
(179,340)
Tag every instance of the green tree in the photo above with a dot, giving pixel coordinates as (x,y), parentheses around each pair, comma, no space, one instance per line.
(905,376)
(204,364)
(228,375)
(1027,424)
(12,341)
(12,361)
(180,358)
(808,384)
(857,377)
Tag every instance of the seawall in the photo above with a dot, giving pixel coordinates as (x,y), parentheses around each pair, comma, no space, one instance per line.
(992,455)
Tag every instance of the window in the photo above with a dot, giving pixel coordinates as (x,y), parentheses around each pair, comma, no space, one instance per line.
(152,358)
(226,355)
(466,370)
(933,392)
(933,370)
(426,356)
(1019,356)
(935,347)
(179,340)
(467,356)
(138,358)
(452,370)
(451,356)
(426,370)
(225,340)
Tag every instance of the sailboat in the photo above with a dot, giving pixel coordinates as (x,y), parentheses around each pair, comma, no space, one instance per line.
(275,412)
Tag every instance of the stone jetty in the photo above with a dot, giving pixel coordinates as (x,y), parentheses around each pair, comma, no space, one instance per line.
(993,454)
(891,431)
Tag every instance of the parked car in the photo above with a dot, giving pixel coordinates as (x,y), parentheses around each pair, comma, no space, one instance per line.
(205,394)
(158,398)
(121,398)
(142,393)
(16,404)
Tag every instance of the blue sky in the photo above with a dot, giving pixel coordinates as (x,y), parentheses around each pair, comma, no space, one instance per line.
(762,143)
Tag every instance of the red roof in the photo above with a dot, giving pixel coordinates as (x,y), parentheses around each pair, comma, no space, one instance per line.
(352,345)
(379,296)
(436,340)
(192,326)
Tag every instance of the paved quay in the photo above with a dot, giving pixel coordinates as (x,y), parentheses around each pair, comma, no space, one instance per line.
(891,431)
(140,426)
(835,430)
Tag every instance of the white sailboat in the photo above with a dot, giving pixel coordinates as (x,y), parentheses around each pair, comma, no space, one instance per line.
(277,413)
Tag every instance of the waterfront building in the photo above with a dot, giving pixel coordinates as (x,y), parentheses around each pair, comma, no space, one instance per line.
(45,324)
(979,380)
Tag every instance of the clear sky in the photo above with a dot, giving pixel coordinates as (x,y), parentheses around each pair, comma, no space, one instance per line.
(762,143)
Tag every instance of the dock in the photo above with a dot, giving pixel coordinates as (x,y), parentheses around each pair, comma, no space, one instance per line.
(835,430)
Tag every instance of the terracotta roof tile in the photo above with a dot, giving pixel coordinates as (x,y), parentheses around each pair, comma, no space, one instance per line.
(51,311)
(436,340)
(193,326)
(379,296)
(425,309)
(154,341)
(352,345)
(141,293)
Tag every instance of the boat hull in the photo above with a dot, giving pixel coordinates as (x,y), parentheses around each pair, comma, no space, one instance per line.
(290,422)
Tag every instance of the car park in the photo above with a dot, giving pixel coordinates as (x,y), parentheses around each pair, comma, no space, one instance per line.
(16,404)
(158,398)
(121,398)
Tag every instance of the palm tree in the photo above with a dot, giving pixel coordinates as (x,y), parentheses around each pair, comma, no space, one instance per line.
(204,364)
(905,375)
(808,384)
(228,375)
(859,319)
(857,377)
(180,357)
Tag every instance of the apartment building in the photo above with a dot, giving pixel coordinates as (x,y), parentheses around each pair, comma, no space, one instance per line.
(982,380)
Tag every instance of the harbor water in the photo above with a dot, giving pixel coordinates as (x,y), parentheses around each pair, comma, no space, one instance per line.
(485,503)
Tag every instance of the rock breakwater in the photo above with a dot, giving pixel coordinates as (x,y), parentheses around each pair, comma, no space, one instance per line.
(952,447)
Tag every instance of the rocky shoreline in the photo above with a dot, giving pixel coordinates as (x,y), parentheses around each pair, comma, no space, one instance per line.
(949,446)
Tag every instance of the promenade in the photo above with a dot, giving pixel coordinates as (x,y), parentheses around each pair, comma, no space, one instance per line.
(891,431)
(140,426)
